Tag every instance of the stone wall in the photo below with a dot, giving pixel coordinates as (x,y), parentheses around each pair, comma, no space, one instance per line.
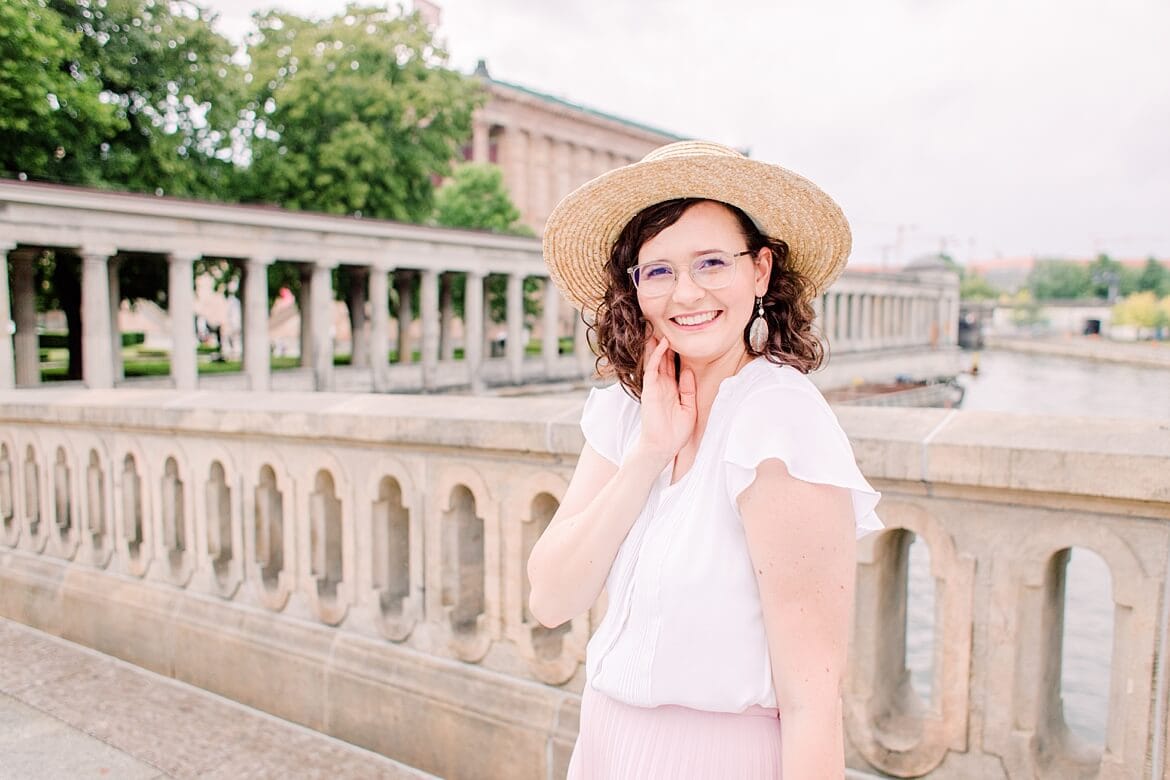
(355,563)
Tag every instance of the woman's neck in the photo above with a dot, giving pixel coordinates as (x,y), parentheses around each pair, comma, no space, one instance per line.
(709,374)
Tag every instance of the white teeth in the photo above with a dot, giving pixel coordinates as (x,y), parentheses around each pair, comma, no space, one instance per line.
(696,319)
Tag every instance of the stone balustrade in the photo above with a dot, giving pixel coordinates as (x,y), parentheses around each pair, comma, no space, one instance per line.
(355,563)
(862,315)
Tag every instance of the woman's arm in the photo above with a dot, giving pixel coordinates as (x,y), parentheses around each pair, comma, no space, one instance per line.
(571,561)
(802,543)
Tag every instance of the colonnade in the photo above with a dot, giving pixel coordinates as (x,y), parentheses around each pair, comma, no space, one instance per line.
(861,313)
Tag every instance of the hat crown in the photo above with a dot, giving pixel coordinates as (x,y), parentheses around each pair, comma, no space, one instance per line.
(680,149)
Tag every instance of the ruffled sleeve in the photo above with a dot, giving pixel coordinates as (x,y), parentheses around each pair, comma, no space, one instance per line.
(796,426)
(606,421)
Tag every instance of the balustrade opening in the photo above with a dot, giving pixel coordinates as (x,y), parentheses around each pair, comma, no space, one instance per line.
(463,563)
(1086,651)
(219,522)
(325,535)
(268,525)
(62,502)
(920,619)
(174,536)
(546,642)
(32,491)
(95,494)
(7,502)
(391,547)
(132,506)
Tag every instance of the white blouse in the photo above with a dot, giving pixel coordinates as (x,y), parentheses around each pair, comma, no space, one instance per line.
(684,623)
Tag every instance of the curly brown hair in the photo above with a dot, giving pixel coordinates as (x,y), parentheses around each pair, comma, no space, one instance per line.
(620,331)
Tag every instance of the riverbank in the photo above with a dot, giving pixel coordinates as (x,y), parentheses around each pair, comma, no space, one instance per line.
(1148,354)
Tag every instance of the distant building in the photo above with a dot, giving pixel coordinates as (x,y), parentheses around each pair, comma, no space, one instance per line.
(547,146)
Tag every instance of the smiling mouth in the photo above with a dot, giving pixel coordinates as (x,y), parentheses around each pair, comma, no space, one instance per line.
(694,320)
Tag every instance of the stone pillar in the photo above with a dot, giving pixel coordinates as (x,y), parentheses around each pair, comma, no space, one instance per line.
(304,303)
(181,306)
(115,311)
(97,364)
(355,301)
(379,329)
(550,322)
(256,349)
(404,284)
(480,143)
(7,356)
(321,303)
(24,312)
(515,314)
(473,328)
(446,317)
(428,310)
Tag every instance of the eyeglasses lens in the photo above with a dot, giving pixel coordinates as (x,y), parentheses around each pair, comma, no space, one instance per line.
(710,272)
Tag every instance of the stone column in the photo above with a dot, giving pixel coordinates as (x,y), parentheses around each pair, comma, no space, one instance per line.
(256,348)
(304,303)
(7,356)
(355,301)
(480,143)
(515,314)
(181,305)
(827,320)
(446,316)
(473,329)
(550,322)
(379,329)
(97,364)
(24,312)
(115,311)
(404,284)
(321,303)
(428,310)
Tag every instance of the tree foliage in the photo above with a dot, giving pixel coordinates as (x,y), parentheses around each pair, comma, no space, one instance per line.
(53,115)
(355,114)
(475,197)
(1052,279)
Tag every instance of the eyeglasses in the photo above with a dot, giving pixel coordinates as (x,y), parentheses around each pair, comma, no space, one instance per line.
(711,271)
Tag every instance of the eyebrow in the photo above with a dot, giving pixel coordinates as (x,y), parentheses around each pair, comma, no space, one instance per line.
(693,254)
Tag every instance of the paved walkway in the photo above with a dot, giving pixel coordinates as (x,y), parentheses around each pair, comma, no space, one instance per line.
(69,712)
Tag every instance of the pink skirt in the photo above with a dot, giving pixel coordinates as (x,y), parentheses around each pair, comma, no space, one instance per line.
(618,742)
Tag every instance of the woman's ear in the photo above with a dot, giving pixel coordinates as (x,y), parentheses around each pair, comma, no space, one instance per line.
(763,270)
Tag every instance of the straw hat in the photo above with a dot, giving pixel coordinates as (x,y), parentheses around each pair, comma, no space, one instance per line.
(582,229)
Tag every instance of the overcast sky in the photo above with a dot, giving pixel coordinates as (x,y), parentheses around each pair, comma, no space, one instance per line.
(1000,127)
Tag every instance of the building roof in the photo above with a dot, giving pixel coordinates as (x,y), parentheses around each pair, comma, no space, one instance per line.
(482,72)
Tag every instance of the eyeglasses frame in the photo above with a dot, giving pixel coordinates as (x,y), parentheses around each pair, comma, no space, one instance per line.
(690,270)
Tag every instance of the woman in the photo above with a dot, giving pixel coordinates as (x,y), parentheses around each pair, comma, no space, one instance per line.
(716,499)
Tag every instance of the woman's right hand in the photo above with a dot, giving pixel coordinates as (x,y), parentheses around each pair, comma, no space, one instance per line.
(668,405)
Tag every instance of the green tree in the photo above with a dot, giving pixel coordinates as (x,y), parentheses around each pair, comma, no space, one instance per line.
(1154,278)
(1105,273)
(171,80)
(974,287)
(53,114)
(475,197)
(1142,310)
(356,114)
(1051,279)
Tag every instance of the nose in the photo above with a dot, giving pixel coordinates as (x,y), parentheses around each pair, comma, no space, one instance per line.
(685,289)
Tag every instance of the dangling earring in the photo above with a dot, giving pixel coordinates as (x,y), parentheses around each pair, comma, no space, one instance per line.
(758,334)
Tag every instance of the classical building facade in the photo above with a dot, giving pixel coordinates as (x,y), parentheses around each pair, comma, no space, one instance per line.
(547,147)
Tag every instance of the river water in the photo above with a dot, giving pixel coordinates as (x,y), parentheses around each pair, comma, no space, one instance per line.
(1038,384)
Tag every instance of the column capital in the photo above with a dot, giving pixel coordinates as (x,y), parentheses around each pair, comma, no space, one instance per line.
(7,246)
(259,259)
(325,264)
(95,251)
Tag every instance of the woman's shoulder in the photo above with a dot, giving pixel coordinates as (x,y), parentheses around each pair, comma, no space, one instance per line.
(762,377)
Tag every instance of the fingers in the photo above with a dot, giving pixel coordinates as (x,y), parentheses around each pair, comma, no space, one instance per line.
(654,362)
(686,389)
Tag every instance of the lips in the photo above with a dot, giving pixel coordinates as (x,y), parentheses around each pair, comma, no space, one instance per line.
(695,320)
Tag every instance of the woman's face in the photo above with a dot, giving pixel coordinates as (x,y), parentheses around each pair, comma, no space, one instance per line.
(704,325)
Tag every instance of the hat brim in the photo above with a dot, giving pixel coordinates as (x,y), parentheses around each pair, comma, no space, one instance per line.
(581,231)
